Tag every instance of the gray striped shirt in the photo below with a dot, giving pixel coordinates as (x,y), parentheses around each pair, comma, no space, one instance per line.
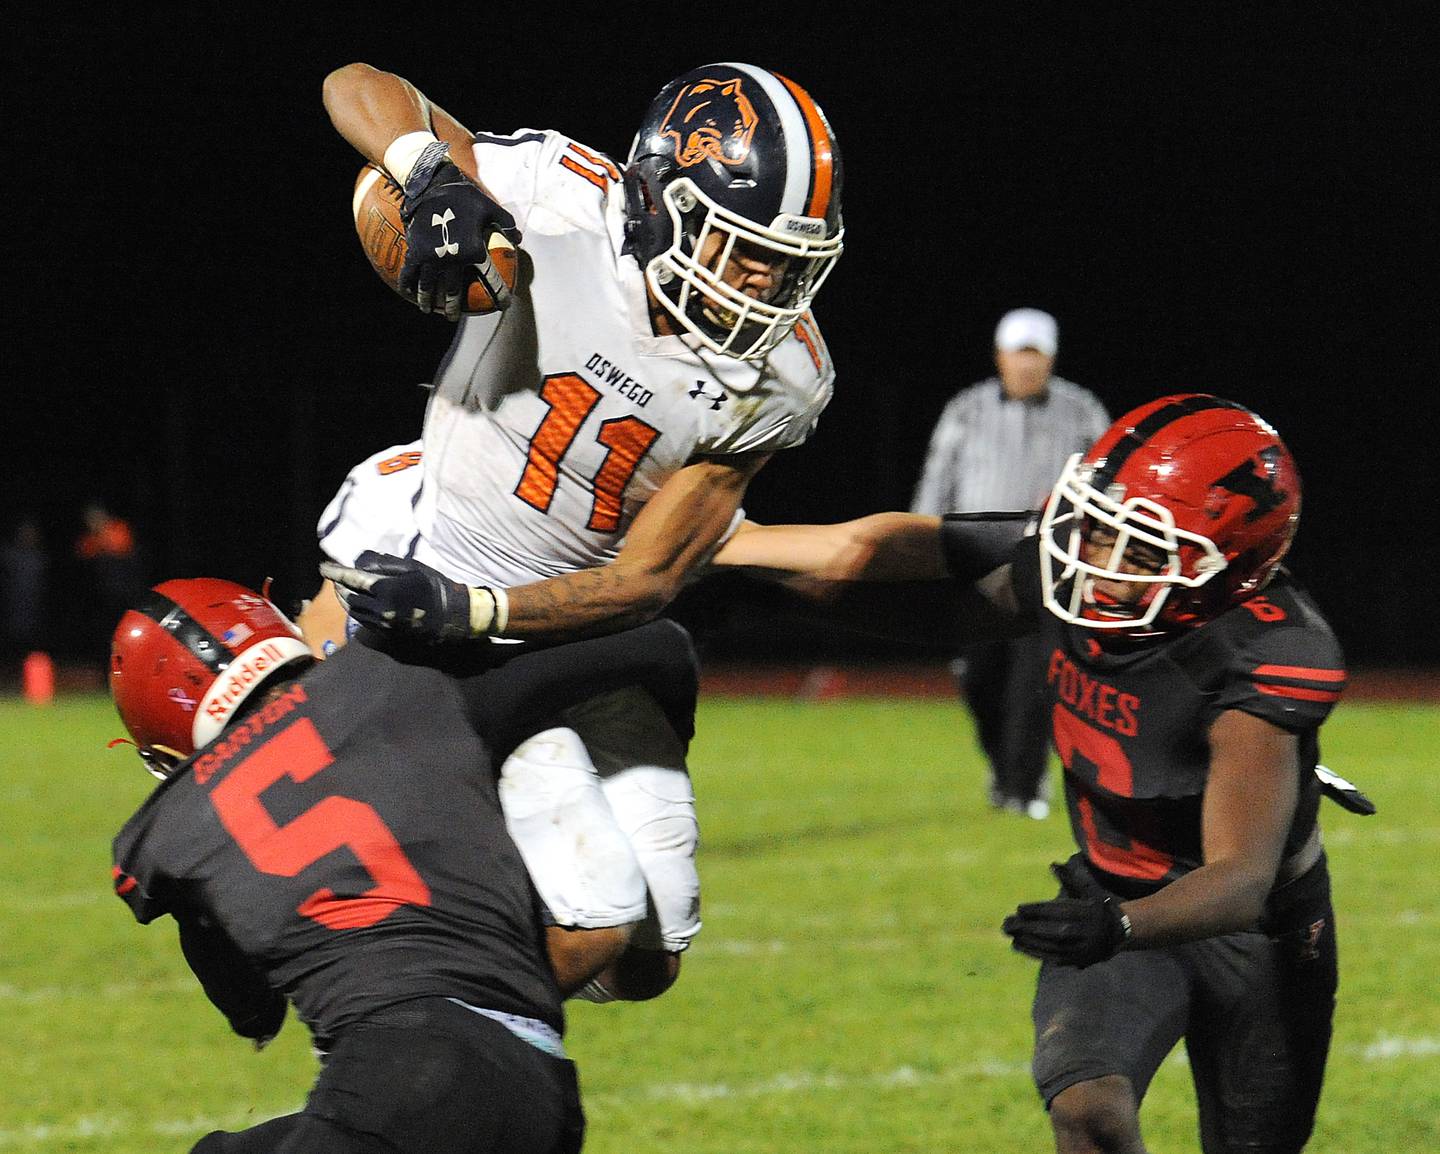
(989,452)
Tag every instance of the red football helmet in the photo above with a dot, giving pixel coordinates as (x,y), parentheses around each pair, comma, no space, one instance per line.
(184,659)
(1200,486)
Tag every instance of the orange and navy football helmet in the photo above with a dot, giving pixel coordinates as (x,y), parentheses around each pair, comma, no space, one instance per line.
(1202,487)
(743,154)
(184,660)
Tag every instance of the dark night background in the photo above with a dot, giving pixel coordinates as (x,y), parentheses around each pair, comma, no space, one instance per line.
(1236,200)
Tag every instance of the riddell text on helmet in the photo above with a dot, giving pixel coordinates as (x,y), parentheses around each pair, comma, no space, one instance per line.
(248,731)
(239,680)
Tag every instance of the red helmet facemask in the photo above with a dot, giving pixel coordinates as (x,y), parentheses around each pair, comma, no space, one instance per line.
(1187,503)
(184,660)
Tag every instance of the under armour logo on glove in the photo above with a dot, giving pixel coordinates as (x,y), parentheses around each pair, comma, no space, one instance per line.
(405,596)
(466,216)
(446,247)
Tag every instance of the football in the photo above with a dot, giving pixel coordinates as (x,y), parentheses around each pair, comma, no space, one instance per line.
(376,204)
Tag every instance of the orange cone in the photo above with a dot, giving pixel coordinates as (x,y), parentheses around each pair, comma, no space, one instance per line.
(38,679)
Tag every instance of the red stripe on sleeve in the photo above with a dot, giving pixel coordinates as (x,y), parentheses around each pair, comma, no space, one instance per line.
(1299,672)
(1299,694)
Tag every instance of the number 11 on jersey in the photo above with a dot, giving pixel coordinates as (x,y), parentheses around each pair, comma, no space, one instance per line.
(626,441)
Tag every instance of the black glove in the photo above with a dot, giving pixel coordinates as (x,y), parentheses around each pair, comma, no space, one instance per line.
(448,222)
(1081,928)
(262,1027)
(1343,793)
(230,979)
(403,596)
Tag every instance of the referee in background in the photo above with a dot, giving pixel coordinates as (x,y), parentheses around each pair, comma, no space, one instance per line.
(999,445)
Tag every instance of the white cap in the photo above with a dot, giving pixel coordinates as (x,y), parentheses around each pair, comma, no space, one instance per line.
(1027,329)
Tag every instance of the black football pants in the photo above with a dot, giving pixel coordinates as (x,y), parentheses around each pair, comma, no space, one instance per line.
(1254,1009)
(427,1077)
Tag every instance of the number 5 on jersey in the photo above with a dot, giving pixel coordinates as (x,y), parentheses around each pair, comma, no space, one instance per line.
(626,441)
(332,824)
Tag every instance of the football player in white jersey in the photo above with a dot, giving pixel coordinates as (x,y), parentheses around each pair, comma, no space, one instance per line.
(581,861)
(556,804)
(587,448)
(373,509)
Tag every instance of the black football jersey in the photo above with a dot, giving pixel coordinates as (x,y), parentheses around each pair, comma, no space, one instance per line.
(1131,724)
(348,835)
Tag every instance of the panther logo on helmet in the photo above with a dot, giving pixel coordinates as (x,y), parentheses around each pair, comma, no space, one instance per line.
(711,120)
(732,158)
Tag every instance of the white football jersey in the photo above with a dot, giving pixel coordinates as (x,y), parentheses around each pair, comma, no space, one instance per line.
(374,507)
(552,423)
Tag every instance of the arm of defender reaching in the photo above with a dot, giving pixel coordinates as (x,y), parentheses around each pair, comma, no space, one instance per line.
(853,567)
(972,548)
(881,547)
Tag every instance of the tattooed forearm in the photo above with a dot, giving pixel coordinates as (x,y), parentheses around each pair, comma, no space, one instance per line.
(677,531)
(589,601)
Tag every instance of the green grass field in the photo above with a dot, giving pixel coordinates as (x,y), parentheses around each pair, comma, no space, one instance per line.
(851,991)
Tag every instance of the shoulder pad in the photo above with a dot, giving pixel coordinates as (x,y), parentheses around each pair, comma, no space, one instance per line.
(1283,662)
(572,180)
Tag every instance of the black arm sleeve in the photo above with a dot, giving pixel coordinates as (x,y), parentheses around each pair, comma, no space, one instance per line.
(508,704)
(237,989)
(975,544)
(851,618)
